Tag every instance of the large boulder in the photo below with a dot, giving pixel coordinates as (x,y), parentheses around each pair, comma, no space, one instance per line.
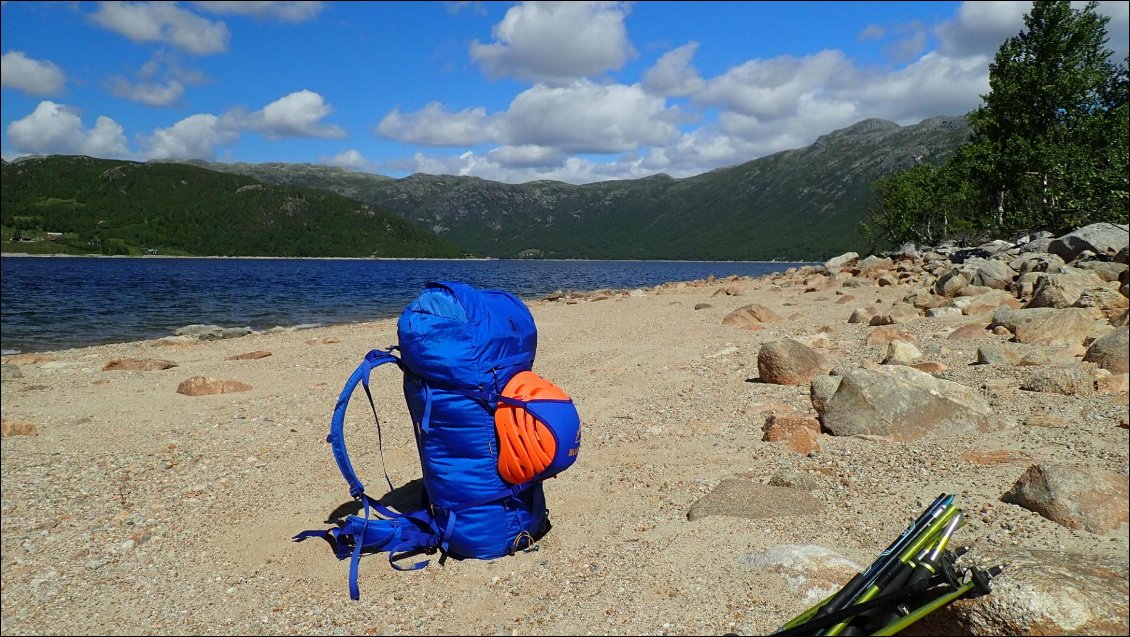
(1063,289)
(1040,593)
(790,362)
(751,316)
(1076,497)
(1111,352)
(1100,238)
(1046,326)
(905,404)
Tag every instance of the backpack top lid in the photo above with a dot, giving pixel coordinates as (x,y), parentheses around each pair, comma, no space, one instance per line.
(455,335)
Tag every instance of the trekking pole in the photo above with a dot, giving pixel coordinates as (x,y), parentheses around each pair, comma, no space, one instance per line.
(980,585)
(862,580)
(895,568)
(925,568)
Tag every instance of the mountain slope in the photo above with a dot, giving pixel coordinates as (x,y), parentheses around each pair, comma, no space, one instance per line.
(797,204)
(122,207)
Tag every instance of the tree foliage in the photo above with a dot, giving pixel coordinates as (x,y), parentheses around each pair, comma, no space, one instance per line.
(1048,148)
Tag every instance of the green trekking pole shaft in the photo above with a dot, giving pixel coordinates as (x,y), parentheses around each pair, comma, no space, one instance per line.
(862,580)
(895,568)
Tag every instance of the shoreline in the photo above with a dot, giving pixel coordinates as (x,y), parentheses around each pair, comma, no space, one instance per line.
(162,256)
(154,498)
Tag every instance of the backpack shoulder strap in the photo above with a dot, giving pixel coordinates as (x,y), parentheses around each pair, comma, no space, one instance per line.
(374,358)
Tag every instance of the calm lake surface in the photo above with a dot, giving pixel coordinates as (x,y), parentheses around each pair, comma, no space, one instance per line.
(50,303)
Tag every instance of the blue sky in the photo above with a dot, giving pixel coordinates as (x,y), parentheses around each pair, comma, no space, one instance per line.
(571,91)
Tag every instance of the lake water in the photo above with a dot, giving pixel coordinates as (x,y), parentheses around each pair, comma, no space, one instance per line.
(50,303)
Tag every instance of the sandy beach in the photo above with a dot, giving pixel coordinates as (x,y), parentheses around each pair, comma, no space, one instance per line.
(138,510)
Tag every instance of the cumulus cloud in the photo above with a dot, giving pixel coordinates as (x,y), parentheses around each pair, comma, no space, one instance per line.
(265,10)
(435,126)
(160,82)
(163,22)
(35,77)
(352,159)
(57,129)
(527,156)
(590,118)
(581,118)
(556,42)
(296,115)
(872,32)
(194,137)
(673,74)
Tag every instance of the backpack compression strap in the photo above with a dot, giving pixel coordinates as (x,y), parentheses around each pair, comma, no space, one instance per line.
(374,358)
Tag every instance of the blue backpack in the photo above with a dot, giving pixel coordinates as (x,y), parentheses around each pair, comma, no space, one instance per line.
(488,430)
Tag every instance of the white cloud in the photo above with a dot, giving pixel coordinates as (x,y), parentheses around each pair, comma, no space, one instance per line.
(163,22)
(166,94)
(872,32)
(435,126)
(266,10)
(352,159)
(298,114)
(57,129)
(772,87)
(156,88)
(194,137)
(673,74)
(581,118)
(527,156)
(556,42)
(589,118)
(35,77)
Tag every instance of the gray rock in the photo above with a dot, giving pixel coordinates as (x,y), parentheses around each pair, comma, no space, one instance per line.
(905,404)
(994,274)
(1046,326)
(789,362)
(744,499)
(813,572)
(202,332)
(821,389)
(1063,289)
(845,260)
(1100,238)
(1040,593)
(1076,497)
(1111,352)
(1072,380)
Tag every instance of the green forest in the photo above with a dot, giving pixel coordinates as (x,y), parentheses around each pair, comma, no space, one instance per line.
(81,205)
(1048,145)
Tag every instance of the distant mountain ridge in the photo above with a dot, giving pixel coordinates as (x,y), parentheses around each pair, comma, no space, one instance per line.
(81,205)
(804,203)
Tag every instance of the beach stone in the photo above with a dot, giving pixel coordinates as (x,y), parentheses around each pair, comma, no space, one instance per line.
(744,499)
(702,306)
(789,362)
(234,332)
(821,389)
(943,312)
(137,365)
(1063,289)
(203,386)
(1112,351)
(930,367)
(247,356)
(994,274)
(1040,592)
(10,372)
(969,330)
(1085,498)
(1100,238)
(1073,380)
(800,433)
(836,264)
(997,354)
(811,571)
(17,428)
(202,332)
(1046,326)
(950,283)
(862,315)
(1113,384)
(751,316)
(901,353)
(905,404)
